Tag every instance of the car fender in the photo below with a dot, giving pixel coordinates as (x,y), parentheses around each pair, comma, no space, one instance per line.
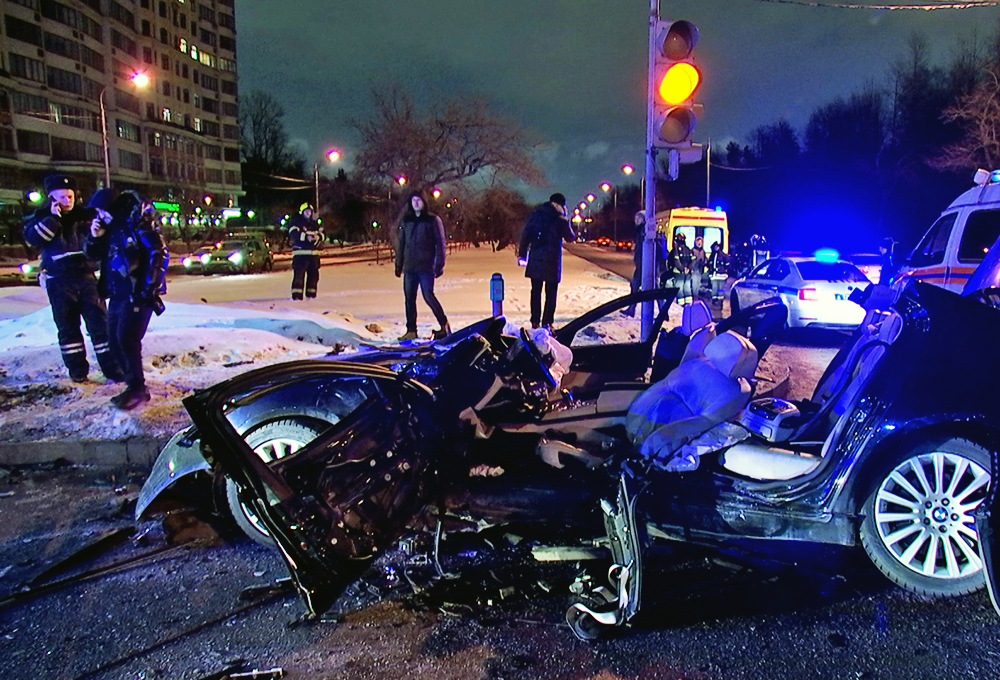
(180,457)
(903,435)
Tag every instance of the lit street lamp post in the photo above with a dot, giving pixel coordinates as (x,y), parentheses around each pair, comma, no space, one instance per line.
(333,155)
(606,187)
(139,79)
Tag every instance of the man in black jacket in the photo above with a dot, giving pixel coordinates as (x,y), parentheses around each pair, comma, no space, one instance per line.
(134,266)
(541,253)
(58,229)
(420,255)
(305,236)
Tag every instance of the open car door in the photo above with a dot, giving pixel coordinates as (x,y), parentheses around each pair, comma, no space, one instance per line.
(608,345)
(344,496)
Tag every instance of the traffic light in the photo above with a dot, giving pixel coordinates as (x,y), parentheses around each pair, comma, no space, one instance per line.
(675,79)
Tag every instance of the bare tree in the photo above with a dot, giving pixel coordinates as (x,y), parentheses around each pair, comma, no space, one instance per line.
(775,144)
(263,140)
(978,113)
(453,141)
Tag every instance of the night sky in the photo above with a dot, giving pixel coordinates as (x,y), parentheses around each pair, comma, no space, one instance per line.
(574,71)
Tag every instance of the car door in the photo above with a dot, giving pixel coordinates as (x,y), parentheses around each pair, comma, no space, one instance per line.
(761,283)
(608,345)
(344,496)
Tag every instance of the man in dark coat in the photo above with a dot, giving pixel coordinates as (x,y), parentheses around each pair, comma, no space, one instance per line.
(420,253)
(679,265)
(638,245)
(887,258)
(305,236)
(58,229)
(541,252)
(134,266)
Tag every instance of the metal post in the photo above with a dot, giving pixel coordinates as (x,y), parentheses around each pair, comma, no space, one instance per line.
(649,235)
(104,140)
(616,215)
(316,185)
(708,174)
(496,294)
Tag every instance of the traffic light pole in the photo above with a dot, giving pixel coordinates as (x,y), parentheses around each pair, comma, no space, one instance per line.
(649,235)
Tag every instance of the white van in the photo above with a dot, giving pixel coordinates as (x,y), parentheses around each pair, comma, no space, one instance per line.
(958,240)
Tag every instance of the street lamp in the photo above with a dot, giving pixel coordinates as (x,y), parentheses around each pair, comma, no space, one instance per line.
(606,187)
(140,79)
(332,156)
(628,170)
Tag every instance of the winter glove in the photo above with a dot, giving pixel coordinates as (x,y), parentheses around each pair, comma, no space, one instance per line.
(438,273)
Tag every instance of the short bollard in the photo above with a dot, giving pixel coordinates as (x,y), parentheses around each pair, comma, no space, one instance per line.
(496,294)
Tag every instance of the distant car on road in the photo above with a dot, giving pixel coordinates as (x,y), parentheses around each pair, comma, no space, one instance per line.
(238,256)
(815,291)
(196,261)
(623,245)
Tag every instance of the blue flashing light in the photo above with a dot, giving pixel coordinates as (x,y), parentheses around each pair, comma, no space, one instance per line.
(718,208)
(995,176)
(826,255)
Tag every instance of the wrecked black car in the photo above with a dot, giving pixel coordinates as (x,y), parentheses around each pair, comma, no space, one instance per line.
(892,452)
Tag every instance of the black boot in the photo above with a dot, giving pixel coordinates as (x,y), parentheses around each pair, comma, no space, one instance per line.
(130,398)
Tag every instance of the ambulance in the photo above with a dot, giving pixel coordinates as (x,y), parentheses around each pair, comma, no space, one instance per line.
(959,239)
(711,225)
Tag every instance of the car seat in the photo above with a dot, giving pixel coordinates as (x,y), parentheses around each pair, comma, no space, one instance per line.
(684,342)
(759,460)
(700,393)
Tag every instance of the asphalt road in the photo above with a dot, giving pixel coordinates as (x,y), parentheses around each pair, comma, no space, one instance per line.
(798,613)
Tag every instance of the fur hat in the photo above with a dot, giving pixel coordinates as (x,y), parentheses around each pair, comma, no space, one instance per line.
(100,200)
(53,182)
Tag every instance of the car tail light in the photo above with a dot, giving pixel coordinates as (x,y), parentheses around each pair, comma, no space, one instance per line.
(808,294)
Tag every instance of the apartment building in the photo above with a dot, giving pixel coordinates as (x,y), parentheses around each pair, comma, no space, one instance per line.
(162,73)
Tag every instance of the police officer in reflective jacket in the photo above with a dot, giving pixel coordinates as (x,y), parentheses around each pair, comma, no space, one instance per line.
(58,229)
(305,237)
(133,274)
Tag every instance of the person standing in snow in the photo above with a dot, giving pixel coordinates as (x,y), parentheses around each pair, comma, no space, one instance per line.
(420,254)
(305,237)
(540,252)
(134,267)
(58,229)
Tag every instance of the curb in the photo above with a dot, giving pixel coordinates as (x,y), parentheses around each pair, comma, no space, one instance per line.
(134,453)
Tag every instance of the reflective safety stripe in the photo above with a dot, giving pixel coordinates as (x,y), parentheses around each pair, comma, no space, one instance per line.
(304,252)
(44,231)
(101,347)
(62,255)
(76,348)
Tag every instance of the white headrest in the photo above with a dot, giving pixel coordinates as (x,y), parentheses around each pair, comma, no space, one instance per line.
(695,315)
(732,354)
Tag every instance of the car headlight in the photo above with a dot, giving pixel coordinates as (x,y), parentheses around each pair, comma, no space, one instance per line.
(26,268)
(187,262)
(236,257)
(205,258)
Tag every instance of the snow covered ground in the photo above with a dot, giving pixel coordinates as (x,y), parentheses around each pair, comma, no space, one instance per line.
(217,327)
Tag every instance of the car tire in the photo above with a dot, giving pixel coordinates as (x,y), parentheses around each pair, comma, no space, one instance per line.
(270,441)
(918,526)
